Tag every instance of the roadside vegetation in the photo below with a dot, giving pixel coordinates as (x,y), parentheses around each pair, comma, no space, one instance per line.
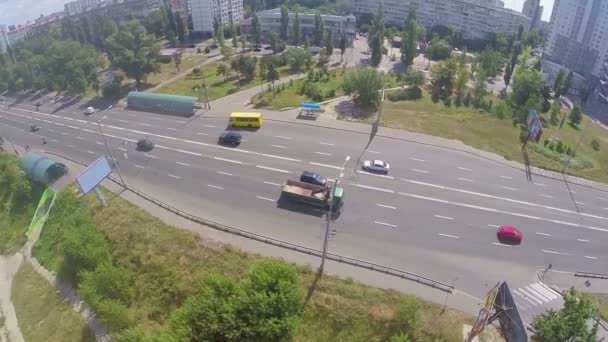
(18,200)
(43,316)
(146,279)
(600,301)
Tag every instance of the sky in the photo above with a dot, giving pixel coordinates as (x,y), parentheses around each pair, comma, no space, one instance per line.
(20,11)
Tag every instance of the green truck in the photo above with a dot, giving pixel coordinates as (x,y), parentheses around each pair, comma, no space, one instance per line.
(314,195)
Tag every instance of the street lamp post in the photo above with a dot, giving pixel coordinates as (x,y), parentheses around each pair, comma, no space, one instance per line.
(330,215)
(105,140)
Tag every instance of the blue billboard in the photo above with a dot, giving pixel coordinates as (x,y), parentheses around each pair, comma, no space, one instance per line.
(534,126)
(93,175)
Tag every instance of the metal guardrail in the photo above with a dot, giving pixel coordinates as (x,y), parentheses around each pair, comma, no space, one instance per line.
(591,275)
(279,243)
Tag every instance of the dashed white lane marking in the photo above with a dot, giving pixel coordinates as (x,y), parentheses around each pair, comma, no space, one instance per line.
(224,173)
(51,130)
(145,124)
(374,174)
(99,143)
(211,126)
(540,184)
(215,187)
(501,244)
(180,121)
(174,176)
(70,146)
(547,196)
(190,153)
(386,206)
(385,224)
(150,156)
(326,144)
(64,133)
(465,179)
(582,240)
(590,257)
(508,188)
(271,183)
(577,202)
(554,252)
(122,149)
(139,166)
(264,198)
(201,133)
(282,137)
(450,236)
(493,225)
(492,210)
(72,127)
(418,160)
(172,129)
(90,152)
(79,138)
(543,234)
(88,130)
(372,151)
(323,153)
(572,192)
(464,168)
(228,160)
(444,217)
(373,188)
(421,171)
(272,169)
(125,121)
(278,146)
(276,157)
(506,177)
(183,164)
(326,165)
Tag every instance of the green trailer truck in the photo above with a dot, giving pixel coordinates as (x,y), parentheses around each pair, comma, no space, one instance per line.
(314,195)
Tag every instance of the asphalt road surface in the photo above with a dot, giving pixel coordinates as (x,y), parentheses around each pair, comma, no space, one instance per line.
(435,214)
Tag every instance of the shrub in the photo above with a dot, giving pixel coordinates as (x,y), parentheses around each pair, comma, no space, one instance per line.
(406,94)
(448,101)
(196,71)
(560,147)
(331,93)
(458,101)
(467,99)
(113,314)
(435,96)
(546,142)
(408,316)
(595,144)
(314,92)
(207,49)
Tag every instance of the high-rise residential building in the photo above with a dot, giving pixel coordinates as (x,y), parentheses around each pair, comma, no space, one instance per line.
(530,10)
(80,6)
(204,12)
(578,40)
(180,7)
(474,19)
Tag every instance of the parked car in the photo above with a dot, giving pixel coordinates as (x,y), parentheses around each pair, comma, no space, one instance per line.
(230,138)
(313,178)
(378,166)
(89,110)
(509,234)
(145,145)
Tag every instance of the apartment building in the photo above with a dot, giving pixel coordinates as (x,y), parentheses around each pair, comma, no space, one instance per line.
(474,19)
(578,40)
(270,21)
(529,10)
(80,6)
(204,12)
(603,84)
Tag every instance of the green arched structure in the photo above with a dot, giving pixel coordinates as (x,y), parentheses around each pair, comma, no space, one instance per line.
(41,169)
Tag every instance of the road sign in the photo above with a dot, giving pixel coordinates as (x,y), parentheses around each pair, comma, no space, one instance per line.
(534,125)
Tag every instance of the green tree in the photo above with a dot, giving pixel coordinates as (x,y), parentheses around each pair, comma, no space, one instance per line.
(507,75)
(256,30)
(274,42)
(284,23)
(219,36)
(576,116)
(490,61)
(329,43)
(443,78)
(409,47)
(376,36)
(558,84)
(413,78)
(233,34)
(223,70)
(567,83)
(296,33)
(364,85)
(439,49)
(342,45)
(462,79)
(318,31)
(132,50)
(555,113)
(574,322)
(527,92)
(272,75)
(297,58)
(182,29)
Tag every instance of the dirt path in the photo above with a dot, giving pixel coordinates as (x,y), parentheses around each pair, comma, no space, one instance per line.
(8,267)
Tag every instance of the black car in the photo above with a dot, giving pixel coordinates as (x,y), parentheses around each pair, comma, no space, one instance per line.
(34,128)
(313,178)
(230,138)
(145,145)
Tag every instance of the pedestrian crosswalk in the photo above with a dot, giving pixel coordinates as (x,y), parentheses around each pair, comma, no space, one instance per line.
(536,298)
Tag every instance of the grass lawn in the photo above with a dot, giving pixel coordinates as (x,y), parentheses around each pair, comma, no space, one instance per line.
(292,95)
(167,264)
(218,86)
(16,208)
(44,316)
(485,131)
(168,70)
(600,300)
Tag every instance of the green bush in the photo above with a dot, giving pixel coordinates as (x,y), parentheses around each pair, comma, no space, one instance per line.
(595,144)
(407,94)
(113,314)
(408,316)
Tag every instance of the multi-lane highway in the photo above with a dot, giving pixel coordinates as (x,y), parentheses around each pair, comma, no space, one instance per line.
(435,214)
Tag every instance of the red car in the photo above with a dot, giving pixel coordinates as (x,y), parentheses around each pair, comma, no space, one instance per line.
(510,234)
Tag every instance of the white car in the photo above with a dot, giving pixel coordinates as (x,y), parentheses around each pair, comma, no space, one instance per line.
(376,166)
(89,111)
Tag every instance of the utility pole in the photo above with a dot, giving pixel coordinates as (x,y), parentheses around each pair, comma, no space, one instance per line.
(105,140)
(329,216)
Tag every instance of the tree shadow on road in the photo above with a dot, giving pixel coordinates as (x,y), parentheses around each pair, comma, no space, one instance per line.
(524,151)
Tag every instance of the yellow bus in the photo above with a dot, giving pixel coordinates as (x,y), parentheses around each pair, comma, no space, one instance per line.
(246,120)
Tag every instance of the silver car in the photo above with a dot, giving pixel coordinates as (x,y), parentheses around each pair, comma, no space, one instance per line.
(378,166)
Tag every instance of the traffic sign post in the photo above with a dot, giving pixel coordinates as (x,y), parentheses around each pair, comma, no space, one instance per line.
(535,127)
